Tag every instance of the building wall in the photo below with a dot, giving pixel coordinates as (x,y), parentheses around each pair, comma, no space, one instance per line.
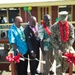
(73,15)
(35,12)
(54,13)
(26,15)
(43,10)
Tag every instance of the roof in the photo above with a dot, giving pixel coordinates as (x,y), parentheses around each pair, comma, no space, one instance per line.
(24,1)
(34,3)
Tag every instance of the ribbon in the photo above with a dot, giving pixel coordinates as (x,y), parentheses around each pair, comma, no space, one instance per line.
(12,58)
(70,57)
(41,61)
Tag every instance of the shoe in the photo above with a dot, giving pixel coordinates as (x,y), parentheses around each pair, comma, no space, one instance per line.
(36,72)
(51,72)
(39,73)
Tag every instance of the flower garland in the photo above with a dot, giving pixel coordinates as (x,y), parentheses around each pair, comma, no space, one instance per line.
(46,28)
(64,32)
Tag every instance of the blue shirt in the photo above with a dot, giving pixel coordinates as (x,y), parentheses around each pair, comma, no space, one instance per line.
(16,36)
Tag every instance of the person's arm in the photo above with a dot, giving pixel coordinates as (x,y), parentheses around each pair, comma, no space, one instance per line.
(54,38)
(30,47)
(42,46)
(28,40)
(71,35)
(54,41)
(15,48)
(12,41)
(41,37)
(29,43)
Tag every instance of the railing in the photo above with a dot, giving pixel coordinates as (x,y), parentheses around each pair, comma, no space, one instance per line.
(6,26)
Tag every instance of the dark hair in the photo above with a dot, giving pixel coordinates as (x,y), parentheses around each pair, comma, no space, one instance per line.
(47,17)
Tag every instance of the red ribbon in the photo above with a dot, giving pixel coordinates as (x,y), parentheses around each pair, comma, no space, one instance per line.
(70,57)
(12,58)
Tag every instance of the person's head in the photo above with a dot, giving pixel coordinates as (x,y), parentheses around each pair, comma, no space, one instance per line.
(47,19)
(63,16)
(18,21)
(32,21)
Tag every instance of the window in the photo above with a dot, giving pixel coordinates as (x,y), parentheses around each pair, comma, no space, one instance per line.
(13,12)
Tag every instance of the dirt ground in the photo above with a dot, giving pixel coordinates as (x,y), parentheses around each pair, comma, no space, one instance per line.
(9,73)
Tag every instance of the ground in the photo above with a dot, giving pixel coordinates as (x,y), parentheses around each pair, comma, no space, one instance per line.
(40,67)
(9,73)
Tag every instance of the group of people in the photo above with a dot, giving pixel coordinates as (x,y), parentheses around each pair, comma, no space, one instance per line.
(54,40)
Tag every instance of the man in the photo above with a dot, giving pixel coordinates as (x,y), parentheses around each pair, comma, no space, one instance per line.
(47,50)
(62,38)
(31,33)
(18,42)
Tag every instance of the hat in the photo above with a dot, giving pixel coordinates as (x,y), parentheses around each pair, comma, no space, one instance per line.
(63,15)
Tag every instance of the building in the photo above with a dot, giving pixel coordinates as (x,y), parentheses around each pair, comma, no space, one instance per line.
(9,9)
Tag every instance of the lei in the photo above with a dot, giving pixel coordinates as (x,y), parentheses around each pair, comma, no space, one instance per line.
(46,28)
(21,33)
(64,31)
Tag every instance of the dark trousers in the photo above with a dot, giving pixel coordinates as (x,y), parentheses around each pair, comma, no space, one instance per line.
(34,63)
(22,66)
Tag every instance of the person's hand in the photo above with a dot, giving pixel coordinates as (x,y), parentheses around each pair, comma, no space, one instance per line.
(67,51)
(60,52)
(19,53)
(33,55)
